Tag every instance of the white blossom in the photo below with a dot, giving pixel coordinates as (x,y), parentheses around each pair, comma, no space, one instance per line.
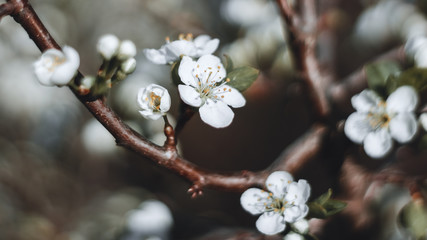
(376,122)
(127,49)
(108,45)
(154,101)
(301,226)
(172,51)
(285,201)
(57,67)
(205,86)
(128,66)
(152,218)
(423,120)
(416,48)
(293,236)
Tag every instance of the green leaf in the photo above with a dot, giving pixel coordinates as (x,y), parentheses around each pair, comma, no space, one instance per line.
(174,73)
(316,211)
(228,63)
(324,197)
(415,77)
(377,74)
(413,217)
(242,78)
(334,206)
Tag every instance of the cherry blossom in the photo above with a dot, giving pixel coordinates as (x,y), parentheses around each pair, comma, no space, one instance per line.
(154,101)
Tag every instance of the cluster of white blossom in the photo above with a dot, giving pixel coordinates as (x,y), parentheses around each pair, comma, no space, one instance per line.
(203,77)
(376,122)
(284,202)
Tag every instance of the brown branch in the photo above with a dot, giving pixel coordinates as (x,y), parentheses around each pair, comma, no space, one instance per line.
(341,92)
(164,156)
(302,40)
(6,9)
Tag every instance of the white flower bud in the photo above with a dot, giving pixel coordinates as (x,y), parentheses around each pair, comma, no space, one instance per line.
(128,66)
(293,236)
(127,50)
(108,45)
(87,82)
(57,67)
(301,226)
(154,101)
(423,120)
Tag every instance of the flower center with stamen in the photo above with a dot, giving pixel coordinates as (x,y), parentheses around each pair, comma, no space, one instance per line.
(208,87)
(154,101)
(52,62)
(379,119)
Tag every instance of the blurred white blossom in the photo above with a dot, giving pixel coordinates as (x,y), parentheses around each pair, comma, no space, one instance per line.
(127,49)
(206,87)
(154,101)
(285,201)
(376,122)
(423,120)
(57,67)
(293,236)
(97,140)
(128,66)
(171,51)
(108,46)
(152,219)
(416,48)
(301,226)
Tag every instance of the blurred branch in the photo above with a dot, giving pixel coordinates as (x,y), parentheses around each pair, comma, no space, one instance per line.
(6,9)
(302,39)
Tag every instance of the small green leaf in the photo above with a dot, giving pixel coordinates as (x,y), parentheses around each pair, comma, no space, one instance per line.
(174,73)
(324,197)
(316,211)
(415,77)
(228,63)
(334,206)
(413,217)
(377,74)
(242,78)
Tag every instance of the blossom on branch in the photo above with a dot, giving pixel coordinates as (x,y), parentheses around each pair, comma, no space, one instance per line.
(57,67)
(127,49)
(108,46)
(154,101)
(376,122)
(206,87)
(285,201)
(172,51)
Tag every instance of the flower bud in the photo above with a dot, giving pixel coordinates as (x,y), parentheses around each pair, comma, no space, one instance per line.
(128,66)
(423,120)
(108,45)
(293,236)
(87,82)
(127,50)
(301,226)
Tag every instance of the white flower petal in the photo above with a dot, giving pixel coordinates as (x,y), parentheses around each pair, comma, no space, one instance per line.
(251,200)
(209,48)
(404,99)
(189,95)
(232,97)
(278,183)
(156,56)
(301,226)
(177,48)
(42,73)
(165,104)
(365,100)
(150,114)
(270,223)
(201,40)
(377,144)
(295,213)
(298,192)
(403,127)
(293,236)
(127,49)
(216,114)
(423,120)
(185,71)
(209,61)
(357,127)
(64,72)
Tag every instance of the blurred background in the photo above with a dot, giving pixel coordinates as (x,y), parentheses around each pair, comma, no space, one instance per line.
(61,175)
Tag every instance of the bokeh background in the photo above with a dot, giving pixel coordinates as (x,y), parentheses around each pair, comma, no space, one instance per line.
(61,175)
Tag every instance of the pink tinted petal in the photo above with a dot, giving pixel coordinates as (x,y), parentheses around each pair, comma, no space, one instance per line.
(278,183)
(403,127)
(377,144)
(357,127)
(404,99)
(216,114)
(252,200)
(270,223)
(364,101)
(189,95)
